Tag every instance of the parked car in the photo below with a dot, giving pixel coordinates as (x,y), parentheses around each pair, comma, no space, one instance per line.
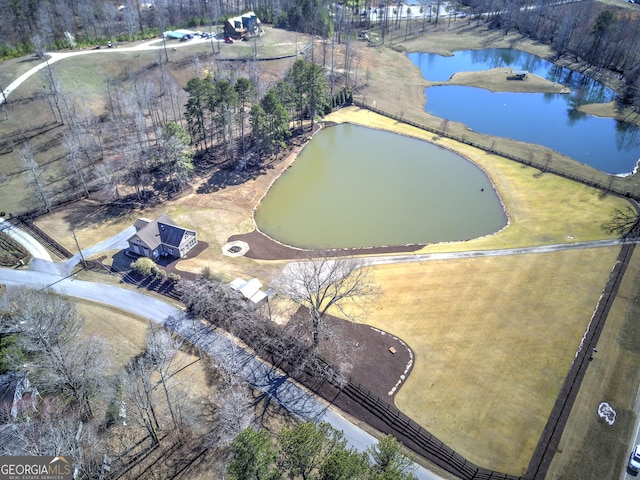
(634,459)
(229,40)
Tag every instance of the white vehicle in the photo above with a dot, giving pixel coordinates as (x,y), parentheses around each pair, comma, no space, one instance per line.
(634,459)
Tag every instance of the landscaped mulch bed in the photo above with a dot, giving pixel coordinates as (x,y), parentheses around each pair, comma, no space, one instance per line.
(262,247)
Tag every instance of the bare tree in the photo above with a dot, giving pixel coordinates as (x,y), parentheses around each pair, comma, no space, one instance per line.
(322,284)
(624,222)
(152,390)
(74,161)
(231,405)
(26,155)
(48,329)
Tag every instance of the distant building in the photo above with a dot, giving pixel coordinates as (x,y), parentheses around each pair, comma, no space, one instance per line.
(161,237)
(178,34)
(247,24)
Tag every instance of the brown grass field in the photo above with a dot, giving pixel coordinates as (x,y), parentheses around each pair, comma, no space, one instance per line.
(493,337)
(512,323)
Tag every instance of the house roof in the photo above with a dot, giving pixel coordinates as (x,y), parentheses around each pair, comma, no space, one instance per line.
(162,230)
(244,21)
(250,289)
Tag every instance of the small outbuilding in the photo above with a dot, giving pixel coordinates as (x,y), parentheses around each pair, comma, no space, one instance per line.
(250,289)
(519,74)
(161,237)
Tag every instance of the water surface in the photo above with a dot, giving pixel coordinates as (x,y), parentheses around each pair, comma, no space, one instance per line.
(551,120)
(357,187)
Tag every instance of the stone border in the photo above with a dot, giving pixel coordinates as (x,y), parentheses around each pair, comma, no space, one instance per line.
(243,248)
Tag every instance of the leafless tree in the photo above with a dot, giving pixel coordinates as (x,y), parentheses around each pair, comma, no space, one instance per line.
(341,284)
(64,362)
(152,390)
(26,155)
(231,405)
(624,222)
(74,162)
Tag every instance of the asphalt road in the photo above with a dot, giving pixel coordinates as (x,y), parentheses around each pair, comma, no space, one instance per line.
(277,386)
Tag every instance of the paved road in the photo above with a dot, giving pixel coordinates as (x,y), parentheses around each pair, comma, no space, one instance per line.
(27,241)
(271,382)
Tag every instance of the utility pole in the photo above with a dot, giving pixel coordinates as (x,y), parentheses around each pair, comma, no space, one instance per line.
(84,262)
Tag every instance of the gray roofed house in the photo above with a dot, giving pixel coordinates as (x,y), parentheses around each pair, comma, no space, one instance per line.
(161,238)
(247,24)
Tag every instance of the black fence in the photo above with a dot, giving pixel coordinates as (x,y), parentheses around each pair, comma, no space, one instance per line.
(491,149)
(360,402)
(25,222)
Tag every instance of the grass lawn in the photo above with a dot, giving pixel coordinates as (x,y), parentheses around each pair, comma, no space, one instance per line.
(591,449)
(124,332)
(493,340)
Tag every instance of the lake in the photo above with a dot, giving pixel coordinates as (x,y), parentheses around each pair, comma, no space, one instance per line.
(550,120)
(354,187)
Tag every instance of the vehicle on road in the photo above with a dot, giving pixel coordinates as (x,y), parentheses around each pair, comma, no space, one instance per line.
(634,459)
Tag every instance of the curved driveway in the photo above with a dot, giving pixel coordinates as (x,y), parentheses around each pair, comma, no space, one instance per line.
(52,57)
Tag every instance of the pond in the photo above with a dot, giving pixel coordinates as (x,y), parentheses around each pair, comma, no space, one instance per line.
(354,187)
(544,119)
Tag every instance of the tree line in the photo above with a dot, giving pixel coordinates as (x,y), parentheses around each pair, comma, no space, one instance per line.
(219,111)
(45,25)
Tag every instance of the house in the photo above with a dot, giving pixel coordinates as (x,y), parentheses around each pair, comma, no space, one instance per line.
(245,25)
(161,238)
(16,394)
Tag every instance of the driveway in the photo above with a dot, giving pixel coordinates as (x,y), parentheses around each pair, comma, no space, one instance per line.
(23,238)
(58,277)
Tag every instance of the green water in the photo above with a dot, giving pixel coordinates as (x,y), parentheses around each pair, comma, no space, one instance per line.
(357,187)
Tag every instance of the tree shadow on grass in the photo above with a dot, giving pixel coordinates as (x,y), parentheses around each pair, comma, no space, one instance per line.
(90,214)
(227,177)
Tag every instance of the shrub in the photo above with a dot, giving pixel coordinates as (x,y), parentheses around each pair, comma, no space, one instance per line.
(174,277)
(143,266)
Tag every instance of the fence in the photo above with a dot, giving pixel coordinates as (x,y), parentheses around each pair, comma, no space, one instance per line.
(26,223)
(361,403)
(525,161)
